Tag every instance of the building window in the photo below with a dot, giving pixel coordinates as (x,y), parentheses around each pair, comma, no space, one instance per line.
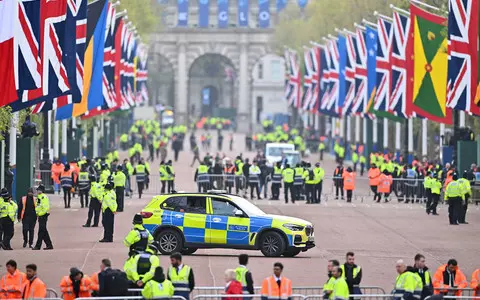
(259,108)
(260,71)
(276,69)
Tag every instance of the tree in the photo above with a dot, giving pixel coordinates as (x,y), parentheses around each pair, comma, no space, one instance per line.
(143,14)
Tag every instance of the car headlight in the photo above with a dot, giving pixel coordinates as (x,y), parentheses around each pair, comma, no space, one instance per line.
(293,227)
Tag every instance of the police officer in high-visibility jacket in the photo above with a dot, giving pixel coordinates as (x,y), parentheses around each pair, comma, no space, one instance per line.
(96,192)
(140,266)
(298,182)
(67,180)
(109,209)
(310,181)
(276,180)
(171,176)
(427,185)
(288,175)
(138,238)
(254,179)
(435,188)
(163,176)
(276,286)
(7,217)
(158,286)
(119,180)
(408,285)
(454,195)
(467,192)
(141,173)
(43,211)
(321,149)
(244,276)
(239,178)
(328,286)
(83,186)
(319,175)
(181,276)
(202,177)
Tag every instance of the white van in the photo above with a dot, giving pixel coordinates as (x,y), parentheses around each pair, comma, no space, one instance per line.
(273,152)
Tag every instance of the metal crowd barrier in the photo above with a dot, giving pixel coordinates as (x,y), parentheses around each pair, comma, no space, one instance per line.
(131,298)
(468,292)
(52,294)
(452,297)
(241,296)
(353,296)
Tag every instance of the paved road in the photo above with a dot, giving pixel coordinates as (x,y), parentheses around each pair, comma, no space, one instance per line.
(379,234)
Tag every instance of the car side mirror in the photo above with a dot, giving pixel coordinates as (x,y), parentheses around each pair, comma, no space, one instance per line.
(239,213)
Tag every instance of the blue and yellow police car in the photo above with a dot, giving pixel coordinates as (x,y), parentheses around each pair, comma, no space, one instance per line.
(185,222)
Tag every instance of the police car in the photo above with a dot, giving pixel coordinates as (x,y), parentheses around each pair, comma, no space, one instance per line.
(185,222)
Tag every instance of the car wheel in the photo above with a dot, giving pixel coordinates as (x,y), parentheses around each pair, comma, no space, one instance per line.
(272,244)
(292,252)
(170,241)
(188,251)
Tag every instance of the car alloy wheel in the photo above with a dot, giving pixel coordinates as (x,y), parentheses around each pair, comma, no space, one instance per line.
(168,242)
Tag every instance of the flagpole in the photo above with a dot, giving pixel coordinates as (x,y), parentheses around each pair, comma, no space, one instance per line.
(398,136)
(375,133)
(357,129)
(397,9)
(410,136)
(425,4)
(377,14)
(358,26)
(317,44)
(385,134)
(442,136)
(364,21)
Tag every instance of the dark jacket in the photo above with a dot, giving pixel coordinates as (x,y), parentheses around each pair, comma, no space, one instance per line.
(29,215)
(352,281)
(427,287)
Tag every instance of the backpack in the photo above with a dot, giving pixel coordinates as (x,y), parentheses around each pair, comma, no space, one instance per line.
(115,283)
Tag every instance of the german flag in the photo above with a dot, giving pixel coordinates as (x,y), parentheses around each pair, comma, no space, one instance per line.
(94,55)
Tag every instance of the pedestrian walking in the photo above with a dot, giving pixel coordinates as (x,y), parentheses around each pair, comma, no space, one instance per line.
(43,212)
(348,178)
(374,178)
(384,186)
(67,180)
(352,274)
(435,188)
(338,181)
(27,215)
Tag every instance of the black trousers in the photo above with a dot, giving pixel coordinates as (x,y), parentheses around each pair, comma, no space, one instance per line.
(28,230)
(176,152)
(321,154)
(310,191)
(275,191)
(362,168)
(8,231)
(67,196)
(429,195)
(409,193)
(255,185)
(43,235)
(108,221)
(170,186)
(140,188)
(297,190)
(84,194)
(120,194)
(338,188)
(432,207)
(238,184)
(195,158)
(164,184)
(318,191)
(376,195)
(203,186)
(289,186)
(454,209)
(463,211)
(349,195)
(94,211)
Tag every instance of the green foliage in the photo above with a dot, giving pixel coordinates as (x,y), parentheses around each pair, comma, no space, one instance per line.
(5,119)
(144,15)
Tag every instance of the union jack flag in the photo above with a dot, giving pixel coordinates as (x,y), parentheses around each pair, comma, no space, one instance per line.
(324,95)
(315,54)
(350,74)
(294,95)
(361,74)
(52,105)
(463,30)
(334,89)
(307,79)
(398,60)
(384,43)
(108,88)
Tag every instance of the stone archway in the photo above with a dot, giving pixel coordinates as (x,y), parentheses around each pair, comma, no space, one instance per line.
(161,77)
(217,73)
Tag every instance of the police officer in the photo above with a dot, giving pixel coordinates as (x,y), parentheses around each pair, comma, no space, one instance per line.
(319,175)
(140,266)
(158,286)
(239,178)
(119,180)
(181,276)
(276,180)
(254,179)
(163,176)
(454,195)
(288,175)
(435,188)
(43,211)
(104,173)
(109,208)
(427,185)
(467,192)
(171,176)
(244,276)
(310,181)
(138,238)
(67,180)
(338,181)
(202,178)
(83,185)
(7,218)
(298,181)
(96,192)
(410,183)
(141,172)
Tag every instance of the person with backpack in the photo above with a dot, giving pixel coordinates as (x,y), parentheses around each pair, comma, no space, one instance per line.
(310,182)
(138,238)
(140,266)
(111,282)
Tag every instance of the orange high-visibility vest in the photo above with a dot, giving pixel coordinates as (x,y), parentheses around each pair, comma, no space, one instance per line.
(348,181)
(11,285)
(374,175)
(24,202)
(384,183)
(66,287)
(34,289)
(271,290)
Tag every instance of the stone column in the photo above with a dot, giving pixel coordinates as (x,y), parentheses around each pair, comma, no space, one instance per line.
(243,122)
(181,108)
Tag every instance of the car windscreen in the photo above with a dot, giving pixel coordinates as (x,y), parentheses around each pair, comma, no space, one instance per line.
(293,159)
(277,151)
(247,207)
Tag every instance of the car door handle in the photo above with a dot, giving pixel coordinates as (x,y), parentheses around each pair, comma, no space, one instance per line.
(178,216)
(216,220)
